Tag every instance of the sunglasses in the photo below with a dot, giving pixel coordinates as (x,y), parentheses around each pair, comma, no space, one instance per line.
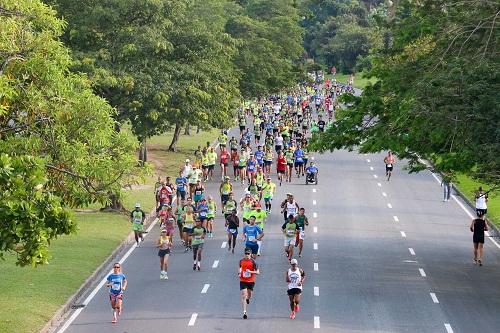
(116,267)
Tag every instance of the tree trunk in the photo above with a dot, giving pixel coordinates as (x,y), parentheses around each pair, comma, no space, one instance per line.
(114,205)
(143,152)
(175,138)
(186,130)
(198,129)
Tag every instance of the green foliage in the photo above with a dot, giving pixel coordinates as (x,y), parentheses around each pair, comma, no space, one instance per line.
(55,134)
(437,94)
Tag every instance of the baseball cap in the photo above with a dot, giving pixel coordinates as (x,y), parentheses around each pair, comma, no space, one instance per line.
(187,160)
(137,205)
(248,251)
(293,261)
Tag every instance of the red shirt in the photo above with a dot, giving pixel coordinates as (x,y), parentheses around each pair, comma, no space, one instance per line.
(235,158)
(249,264)
(224,157)
(164,193)
(281,165)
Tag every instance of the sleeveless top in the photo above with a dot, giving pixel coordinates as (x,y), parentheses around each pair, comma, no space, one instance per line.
(291,209)
(295,277)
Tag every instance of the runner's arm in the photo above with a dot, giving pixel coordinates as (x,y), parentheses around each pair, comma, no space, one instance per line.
(472,226)
(125,283)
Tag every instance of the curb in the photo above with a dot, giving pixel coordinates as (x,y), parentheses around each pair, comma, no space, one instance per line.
(58,318)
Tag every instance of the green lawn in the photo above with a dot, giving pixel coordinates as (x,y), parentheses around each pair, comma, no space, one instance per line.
(468,186)
(30,296)
(360,82)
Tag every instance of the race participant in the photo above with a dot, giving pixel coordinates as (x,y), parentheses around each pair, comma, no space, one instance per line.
(246,272)
(179,212)
(268,190)
(202,212)
(295,278)
(204,163)
(167,219)
(137,217)
(259,157)
(233,144)
(321,124)
(181,185)
(298,155)
(212,210)
(242,123)
(251,235)
(281,166)
(212,159)
(312,171)
(246,204)
(301,222)
(186,168)
(289,229)
(278,143)
(198,191)
(163,196)
(194,175)
(260,220)
(242,165)
(224,161)
(389,161)
(254,190)
(199,233)
(235,158)
(164,244)
(230,205)
(187,226)
(289,163)
(232,225)
(289,206)
(117,284)
(224,189)
(268,161)
(197,157)
(251,168)
(170,188)
(478,227)
(222,139)
(481,198)
(257,131)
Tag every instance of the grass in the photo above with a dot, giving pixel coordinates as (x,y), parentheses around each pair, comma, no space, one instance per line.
(360,81)
(30,296)
(468,186)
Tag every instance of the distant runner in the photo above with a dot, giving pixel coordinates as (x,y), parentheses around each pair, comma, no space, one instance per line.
(137,217)
(117,284)
(389,161)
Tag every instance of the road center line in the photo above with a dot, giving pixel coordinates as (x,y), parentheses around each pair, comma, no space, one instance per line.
(223,246)
(314,202)
(312,158)
(403,234)
(316,322)
(316,266)
(205,288)
(389,205)
(434,298)
(448,328)
(315,229)
(315,246)
(412,252)
(316,291)
(384,194)
(368,160)
(371,168)
(314,190)
(375,176)
(193,319)
(216,263)
(396,219)
(379,184)
(422,272)
(315,214)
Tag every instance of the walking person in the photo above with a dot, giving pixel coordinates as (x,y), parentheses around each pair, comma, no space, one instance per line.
(295,277)
(446,184)
(481,198)
(137,217)
(164,244)
(478,227)
(246,272)
(117,284)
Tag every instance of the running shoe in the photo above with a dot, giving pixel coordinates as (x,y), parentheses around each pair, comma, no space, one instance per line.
(292,315)
(199,267)
(248,300)
(114,320)
(194,267)
(296,308)
(245,315)
(480,262)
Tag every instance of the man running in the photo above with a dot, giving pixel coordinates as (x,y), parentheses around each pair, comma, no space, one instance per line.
(260,220)
(289,206)
(301,222)
(117,284)
(246,272)
(181,184)
(389,161)
(137,217)
(268,190)
(224,161)
(232,225)
(478,227)
(295,278)
(199,233)
(251,235)
(289,229)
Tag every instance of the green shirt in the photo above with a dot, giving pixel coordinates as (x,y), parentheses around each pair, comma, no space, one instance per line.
(300,221)
(198,233)
(290,230)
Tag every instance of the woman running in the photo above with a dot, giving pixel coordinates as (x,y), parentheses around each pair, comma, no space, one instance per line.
(164,244)
(478,227)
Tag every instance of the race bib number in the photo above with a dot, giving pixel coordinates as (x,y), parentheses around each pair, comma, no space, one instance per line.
(197,238)
(389,165)
(290,232)
(138,221)
(251,238)
(246,274)
(116,286)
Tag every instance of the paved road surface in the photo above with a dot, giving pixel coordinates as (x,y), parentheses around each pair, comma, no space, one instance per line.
(407,268)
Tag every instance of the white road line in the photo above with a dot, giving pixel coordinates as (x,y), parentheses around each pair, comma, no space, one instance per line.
(371,168)
(193,319)
(368,160)
(205,288)
(315,229)
(316,322)
(314,190)
(396,219)
(315,246)
(422,272)
(389,205)
(315,214)
(412,251)
(216,263)
(434,298)
(316,291)
(316,266)
(223,246)
(403,234)
(448,328)
(101,284)
(379,184)
(375,176)
(312,158)
(314,202)
(384,194)
(468,212)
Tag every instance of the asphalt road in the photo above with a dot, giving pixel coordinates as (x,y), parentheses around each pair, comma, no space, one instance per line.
(389,257)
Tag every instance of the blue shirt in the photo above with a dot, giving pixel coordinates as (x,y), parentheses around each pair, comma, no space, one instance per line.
(116,281)
(202,210)
(299,155)
(312,169)
(251,164)
(251,232)
(259,156)
(180,181)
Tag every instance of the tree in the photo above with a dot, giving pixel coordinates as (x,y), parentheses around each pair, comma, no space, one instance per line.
(58,143)
(437,97)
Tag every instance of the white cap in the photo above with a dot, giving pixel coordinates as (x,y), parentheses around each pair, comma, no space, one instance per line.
(137,205)
(293,261)
(187,160)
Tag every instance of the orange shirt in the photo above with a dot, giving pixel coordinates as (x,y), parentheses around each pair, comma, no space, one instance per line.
(249,264)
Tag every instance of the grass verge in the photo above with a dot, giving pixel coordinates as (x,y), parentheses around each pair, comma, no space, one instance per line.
(30,296)
(360,81)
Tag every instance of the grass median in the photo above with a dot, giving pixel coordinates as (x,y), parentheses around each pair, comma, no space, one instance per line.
(29,296)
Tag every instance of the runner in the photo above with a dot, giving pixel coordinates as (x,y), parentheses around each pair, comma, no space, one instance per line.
(254,190)
(230,205)
(251,168)
(224,161)
(259,180)
(289,163)
(246,272)
(289,229)
(481,198)
(301,222)
(117,284)
(137,217)
(212,210)
(268,190)
(198,191)
(235,158)
(260,220)
(478,227)
(246,204)
(281,166)
(164,244)
(179,212)
(389,161)
(232,225)
(242,165)
(202,212)
(187,226)
(222,139)
(251,234)
(194,175)
(268,161)
(212,159)
(298,156)
(199,233)
(181,185)
(167,219)
(295,278)
(289,206)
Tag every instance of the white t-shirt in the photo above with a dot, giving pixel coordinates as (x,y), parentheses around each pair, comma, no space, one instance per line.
(481,202)
(278,141)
